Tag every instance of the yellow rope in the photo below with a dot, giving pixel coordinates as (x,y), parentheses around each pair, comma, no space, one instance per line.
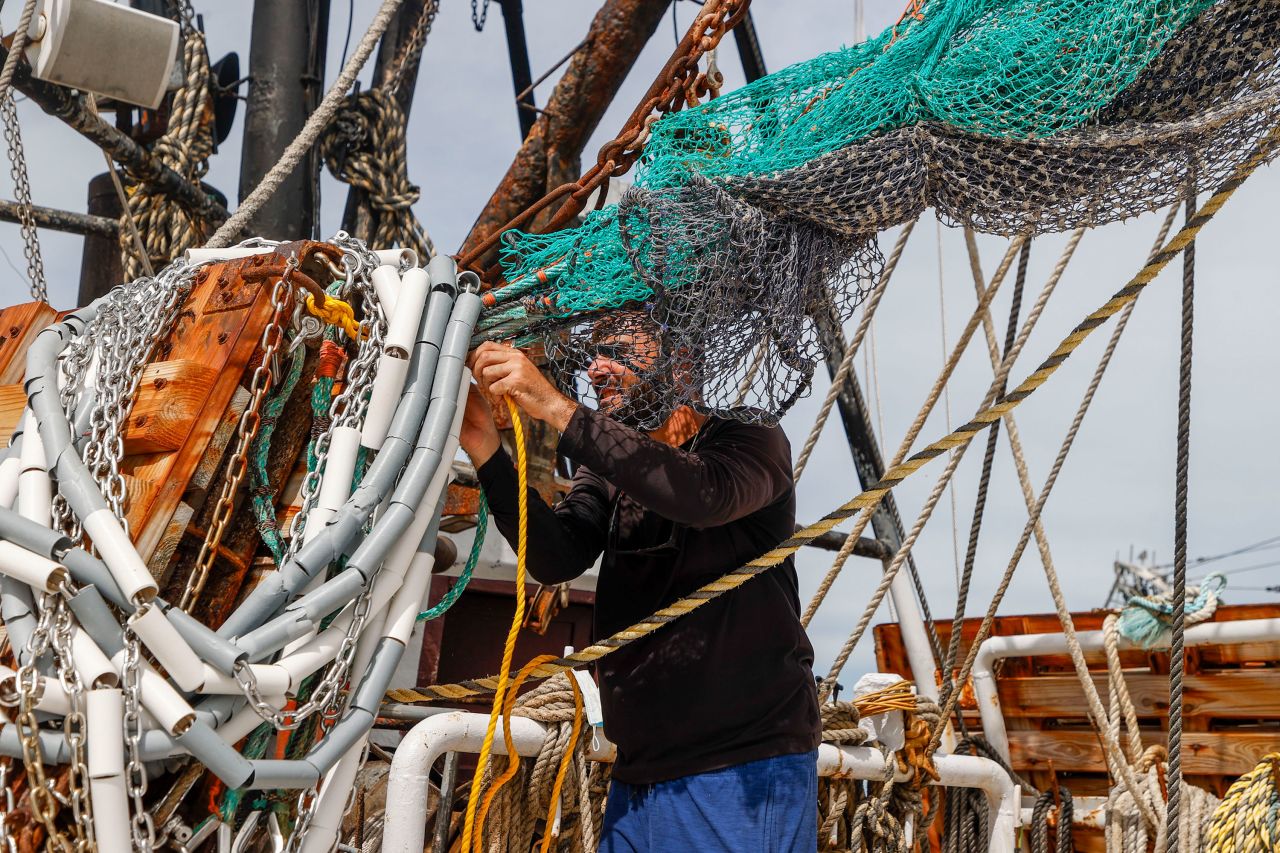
(895,475)
(500,683)
(1248,818)
(335,312)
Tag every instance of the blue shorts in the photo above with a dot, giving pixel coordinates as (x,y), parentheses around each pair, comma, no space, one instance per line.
(766,806)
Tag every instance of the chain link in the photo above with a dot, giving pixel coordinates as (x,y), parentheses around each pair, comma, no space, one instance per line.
(412,49)
(247,430)
(22,190)
(479,14)
(73,728)
(142,828)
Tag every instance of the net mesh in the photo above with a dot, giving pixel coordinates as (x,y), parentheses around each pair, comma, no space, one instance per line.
(757,213)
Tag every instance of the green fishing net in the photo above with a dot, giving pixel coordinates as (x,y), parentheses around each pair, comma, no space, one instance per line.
(1012,116)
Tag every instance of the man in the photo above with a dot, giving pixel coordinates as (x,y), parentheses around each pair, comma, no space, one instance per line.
(715,715)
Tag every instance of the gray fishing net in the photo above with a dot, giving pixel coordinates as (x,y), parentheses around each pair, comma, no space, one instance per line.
(732,270)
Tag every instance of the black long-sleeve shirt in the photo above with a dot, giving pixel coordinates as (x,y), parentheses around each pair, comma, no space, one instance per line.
(730,682)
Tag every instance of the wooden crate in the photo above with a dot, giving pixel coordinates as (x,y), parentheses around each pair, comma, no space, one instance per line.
(1231,702)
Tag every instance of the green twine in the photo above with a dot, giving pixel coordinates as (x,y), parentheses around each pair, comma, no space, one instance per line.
(455,591)
(261,493)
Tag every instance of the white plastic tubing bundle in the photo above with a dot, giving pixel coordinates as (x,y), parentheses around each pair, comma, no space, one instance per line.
(222,684)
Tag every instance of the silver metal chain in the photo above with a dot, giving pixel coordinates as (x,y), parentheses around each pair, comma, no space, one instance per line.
(6,807)
(142,827)
(22,190)
(135,318)
(74,726)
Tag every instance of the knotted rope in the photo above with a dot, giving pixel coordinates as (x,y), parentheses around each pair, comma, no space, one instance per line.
(1127,832)
(364,146)
(1248,818)
(165,226)
(1147,619)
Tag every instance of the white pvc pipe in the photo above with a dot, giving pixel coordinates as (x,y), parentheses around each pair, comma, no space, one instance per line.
(32,569)
(403,322)
(386,283)
(171,651)
(121,557)
(207,256)
(105,746)
(246,720)
(91,662)
(272,679)
(317,653)
(35,490)
(1026,645)
(383,399)
(339,469)
(397,257)
(10,471)
(171,711)
(409,782)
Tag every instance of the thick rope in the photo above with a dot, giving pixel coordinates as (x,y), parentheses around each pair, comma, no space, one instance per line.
(311,130)
(1248,818)
(1177,654)
(522,469)
(846,363)
(895,475)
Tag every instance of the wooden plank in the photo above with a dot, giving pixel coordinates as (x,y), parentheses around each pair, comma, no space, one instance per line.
(13,402)
(1240,694)
(170,397)
(19,325)
(1203,753)
(223,337)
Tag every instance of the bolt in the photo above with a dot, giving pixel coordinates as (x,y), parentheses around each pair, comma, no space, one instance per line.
(140,421)
(222,337)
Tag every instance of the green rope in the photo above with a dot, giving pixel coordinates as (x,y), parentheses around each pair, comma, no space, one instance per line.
(261,493)
(455,591)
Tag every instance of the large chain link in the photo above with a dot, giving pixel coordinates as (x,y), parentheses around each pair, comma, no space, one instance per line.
(73,728)
(22,190)
(247,430)
(142,828)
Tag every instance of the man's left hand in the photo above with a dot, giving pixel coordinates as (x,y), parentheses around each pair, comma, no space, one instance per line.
(505,371)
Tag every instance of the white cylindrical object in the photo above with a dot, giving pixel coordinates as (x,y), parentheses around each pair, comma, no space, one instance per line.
(110,814)
(403,611)
(339,468)
(170,649)
(322,649)
(171,711)
(246,720)
(32,569)
(121,557)
(10,471)
(54,698)
(317,518)
(402,325)
(386,283)
(35,491)
(273,680)
(91,662)
(397,257)
(387,386)
(208,256)
(105,737)
(326,823)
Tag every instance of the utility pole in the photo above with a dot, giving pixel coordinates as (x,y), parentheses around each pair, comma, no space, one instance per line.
(286,82)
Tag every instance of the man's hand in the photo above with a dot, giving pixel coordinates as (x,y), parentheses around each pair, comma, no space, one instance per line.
(504,371)
(479,435)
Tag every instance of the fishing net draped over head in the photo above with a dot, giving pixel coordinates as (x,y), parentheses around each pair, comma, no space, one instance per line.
(757,213)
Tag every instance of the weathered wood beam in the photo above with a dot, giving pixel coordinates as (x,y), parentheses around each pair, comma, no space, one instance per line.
(72,109)
(552,152)
(62,220)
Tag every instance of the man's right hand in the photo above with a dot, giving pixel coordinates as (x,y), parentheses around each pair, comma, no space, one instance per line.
(479,435)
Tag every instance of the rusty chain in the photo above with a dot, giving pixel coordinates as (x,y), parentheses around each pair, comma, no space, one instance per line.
(680,83)
(247,431)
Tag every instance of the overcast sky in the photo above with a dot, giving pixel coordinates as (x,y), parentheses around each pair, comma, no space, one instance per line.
(1116,491)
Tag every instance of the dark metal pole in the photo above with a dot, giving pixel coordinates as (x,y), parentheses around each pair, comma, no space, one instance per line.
(63,220)
(101,267)
(521,74)
(744,34)
(286,78)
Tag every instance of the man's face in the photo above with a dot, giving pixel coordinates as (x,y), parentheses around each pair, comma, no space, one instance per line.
(615,369)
